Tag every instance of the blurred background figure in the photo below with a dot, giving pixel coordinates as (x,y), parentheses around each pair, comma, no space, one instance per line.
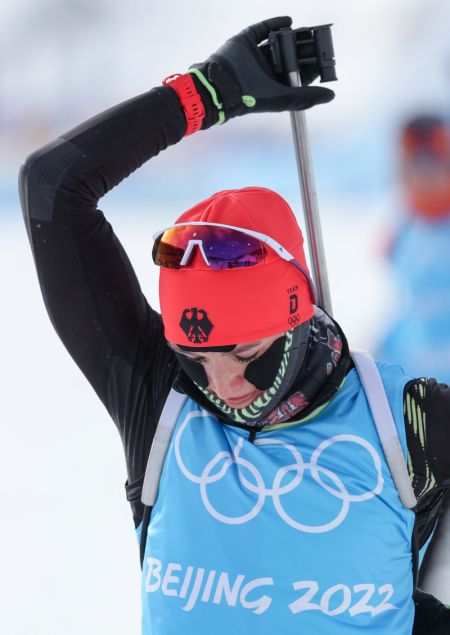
(419,255)
(419,252)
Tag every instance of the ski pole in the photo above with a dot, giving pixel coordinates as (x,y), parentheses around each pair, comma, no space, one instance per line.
(301,55)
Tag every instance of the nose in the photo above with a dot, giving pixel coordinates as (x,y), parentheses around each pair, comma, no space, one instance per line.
(225,378)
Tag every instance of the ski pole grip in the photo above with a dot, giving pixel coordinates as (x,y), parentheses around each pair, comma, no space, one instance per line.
(283,50)
(324,44)
(308,51)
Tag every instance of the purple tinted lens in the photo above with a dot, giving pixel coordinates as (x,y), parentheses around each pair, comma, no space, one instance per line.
(229,249)
(224,248)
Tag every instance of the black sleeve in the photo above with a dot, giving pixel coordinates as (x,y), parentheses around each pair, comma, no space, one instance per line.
(89,287)
(431,616)
(427,421)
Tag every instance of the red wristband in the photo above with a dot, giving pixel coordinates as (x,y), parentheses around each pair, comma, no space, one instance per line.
(190,99)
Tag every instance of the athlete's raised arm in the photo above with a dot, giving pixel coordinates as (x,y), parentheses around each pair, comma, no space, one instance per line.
(90,290)
(91,293)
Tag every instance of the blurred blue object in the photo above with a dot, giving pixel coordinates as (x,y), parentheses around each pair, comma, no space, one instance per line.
(419,338)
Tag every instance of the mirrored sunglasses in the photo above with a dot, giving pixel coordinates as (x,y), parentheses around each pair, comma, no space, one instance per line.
(222,247)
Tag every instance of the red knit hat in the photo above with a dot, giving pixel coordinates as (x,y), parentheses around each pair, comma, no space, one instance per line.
(245,304)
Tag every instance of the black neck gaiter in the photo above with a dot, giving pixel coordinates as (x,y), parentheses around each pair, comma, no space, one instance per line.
(295,344)
(310,372)
(326,363)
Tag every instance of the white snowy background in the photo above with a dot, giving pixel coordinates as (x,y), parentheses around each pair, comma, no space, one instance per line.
(68,553)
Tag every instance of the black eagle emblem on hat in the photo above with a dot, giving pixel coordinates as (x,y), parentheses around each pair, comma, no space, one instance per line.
(196,324)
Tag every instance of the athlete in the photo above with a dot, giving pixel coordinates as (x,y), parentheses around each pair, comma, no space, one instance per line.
(418,255)
(276,510)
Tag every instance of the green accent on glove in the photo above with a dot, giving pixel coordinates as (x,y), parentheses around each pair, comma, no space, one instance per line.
(248,101)
(211,90)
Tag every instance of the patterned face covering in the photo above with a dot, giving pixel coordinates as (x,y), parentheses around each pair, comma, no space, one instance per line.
(294,348)
(320,374)
(311,353)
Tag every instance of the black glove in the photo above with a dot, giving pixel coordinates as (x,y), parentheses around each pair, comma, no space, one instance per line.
(243,80)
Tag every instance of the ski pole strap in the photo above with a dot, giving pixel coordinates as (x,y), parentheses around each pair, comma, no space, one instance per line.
(166,424)
(385,425)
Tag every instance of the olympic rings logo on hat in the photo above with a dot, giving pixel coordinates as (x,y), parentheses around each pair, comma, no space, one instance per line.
(218,466)
(294,320)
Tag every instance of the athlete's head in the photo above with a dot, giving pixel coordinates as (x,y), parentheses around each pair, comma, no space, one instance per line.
(227,297)
(232,287)
(425,165)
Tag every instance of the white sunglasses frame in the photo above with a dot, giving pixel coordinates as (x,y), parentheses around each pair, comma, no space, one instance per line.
(271,242)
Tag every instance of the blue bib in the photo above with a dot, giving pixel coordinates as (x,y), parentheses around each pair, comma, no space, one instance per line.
(300,532)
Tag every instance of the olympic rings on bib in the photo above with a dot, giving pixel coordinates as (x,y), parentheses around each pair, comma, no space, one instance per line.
(225,459)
